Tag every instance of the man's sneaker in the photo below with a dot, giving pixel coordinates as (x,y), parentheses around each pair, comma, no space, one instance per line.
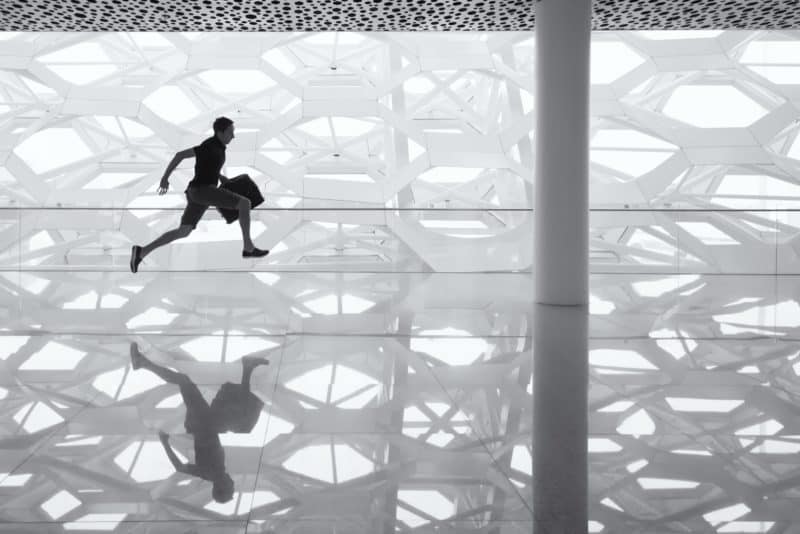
(136,258)
(255,253)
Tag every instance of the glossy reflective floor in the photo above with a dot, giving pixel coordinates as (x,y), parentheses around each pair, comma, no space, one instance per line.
(391,402)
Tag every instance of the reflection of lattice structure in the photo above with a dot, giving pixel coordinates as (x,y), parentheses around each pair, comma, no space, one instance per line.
(357,432)
(694,421)
(425,401)
(320,459)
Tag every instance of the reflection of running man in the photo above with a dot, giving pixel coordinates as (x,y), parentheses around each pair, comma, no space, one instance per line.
(202,193)
(234,408)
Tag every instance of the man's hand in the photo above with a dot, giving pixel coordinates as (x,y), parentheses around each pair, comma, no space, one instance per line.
(163,186)
(163,436)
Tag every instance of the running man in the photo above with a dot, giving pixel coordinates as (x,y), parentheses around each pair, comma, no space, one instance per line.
(203,192)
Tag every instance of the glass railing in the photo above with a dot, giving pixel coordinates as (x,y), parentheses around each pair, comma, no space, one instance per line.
(359,239)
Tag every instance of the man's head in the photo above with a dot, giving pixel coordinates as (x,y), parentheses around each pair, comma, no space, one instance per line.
(223,129)
(222,489)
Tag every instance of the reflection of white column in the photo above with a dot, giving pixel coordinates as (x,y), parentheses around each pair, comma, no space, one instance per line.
(561,266)
(559,419)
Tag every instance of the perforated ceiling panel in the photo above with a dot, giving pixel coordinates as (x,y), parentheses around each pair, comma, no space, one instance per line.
(377,15)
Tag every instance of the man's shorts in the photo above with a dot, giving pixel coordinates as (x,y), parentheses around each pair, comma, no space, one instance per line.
(198,199)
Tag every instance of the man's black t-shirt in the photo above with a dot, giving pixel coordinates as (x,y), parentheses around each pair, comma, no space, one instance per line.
(209,158)
(209,456)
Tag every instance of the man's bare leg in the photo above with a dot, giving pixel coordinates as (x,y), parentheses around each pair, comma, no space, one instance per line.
(249,249)
(139,253)
(165,238)
(244,223)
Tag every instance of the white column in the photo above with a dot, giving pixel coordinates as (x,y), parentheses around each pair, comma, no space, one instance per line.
(561,267)
(561,213)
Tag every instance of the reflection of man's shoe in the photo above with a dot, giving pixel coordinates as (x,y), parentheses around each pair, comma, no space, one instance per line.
(136,258)
(136,356)
(255,253)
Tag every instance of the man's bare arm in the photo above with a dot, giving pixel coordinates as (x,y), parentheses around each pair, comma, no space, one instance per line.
(163,186)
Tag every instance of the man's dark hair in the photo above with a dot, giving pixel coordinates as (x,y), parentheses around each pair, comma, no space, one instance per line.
(221,124)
